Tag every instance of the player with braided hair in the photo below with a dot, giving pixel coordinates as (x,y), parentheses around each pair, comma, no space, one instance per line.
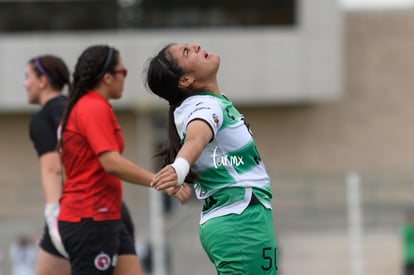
(91,145)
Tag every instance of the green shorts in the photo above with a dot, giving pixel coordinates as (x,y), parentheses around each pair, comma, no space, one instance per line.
(241,244)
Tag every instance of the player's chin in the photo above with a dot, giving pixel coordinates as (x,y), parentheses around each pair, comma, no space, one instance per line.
(117,96)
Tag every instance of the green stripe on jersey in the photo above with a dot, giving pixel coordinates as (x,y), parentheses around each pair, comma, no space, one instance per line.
(246,158)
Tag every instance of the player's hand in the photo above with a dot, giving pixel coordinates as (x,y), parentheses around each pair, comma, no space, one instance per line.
(166,178)
(184,193)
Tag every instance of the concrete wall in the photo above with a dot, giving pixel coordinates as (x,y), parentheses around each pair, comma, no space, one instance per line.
(369,128)
(301,63)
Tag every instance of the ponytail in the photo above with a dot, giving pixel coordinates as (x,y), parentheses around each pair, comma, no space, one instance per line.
(163,75)
(91,66)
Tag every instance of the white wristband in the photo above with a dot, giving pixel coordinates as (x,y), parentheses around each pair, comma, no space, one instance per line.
(51,214)
(181,167)
(51,210)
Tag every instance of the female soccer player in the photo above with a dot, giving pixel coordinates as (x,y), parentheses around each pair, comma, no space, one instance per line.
(209,135)
(45,78)
(91,145)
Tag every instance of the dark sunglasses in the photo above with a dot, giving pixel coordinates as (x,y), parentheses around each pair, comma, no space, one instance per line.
(124,72)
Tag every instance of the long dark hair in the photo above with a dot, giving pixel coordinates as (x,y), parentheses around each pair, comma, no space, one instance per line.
(162,78)
(54,69)
(92,65)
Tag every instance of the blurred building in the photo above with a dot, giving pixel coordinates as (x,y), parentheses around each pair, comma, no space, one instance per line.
(277,56)
(326,92)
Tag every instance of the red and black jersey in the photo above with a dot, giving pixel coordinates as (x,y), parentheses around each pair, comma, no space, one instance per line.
(89,191)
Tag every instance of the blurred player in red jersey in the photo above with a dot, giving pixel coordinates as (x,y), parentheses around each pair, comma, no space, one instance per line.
(91,145)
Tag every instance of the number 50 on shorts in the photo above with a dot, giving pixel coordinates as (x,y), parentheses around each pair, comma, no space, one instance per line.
(269,255)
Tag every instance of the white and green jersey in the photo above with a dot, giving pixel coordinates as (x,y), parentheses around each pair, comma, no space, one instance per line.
(229,168)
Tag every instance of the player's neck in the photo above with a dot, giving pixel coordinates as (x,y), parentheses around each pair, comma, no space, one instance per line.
(46,96)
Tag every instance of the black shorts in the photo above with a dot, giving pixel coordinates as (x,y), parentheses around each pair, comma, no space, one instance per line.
(127,220)
(409,269)
(47,245)
(93,246)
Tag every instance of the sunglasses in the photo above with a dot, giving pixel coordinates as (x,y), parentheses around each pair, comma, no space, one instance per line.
(124,72)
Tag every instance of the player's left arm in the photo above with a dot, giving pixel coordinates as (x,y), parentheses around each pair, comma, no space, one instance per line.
(51,176)
(198,136)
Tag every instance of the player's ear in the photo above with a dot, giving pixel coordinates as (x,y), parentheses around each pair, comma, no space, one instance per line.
(185,81)
(43,81)
(107,78)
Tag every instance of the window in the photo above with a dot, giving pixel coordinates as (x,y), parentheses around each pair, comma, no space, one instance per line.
(18,16)
(201,13)
(21,16)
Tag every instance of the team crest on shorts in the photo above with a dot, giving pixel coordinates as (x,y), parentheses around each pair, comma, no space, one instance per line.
(102,261)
